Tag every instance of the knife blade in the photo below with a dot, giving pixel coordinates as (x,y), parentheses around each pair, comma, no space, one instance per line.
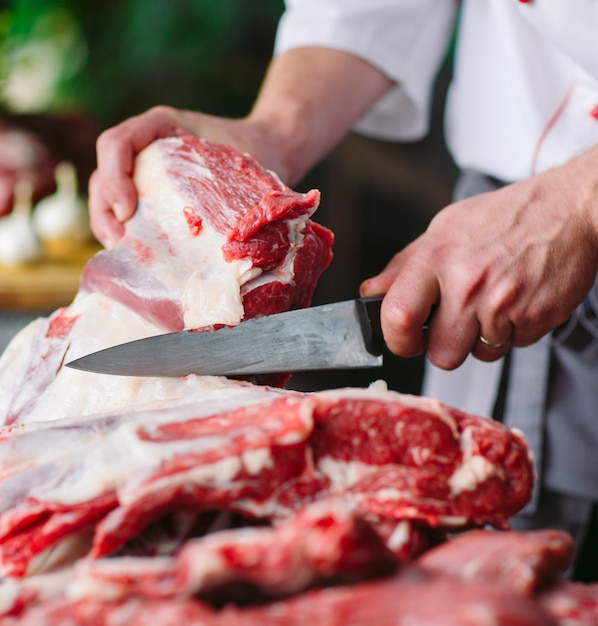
(339,335)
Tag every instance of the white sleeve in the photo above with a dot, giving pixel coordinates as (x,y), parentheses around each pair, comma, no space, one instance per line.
(405,39)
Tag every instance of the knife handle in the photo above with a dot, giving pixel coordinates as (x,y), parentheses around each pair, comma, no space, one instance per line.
(369,317)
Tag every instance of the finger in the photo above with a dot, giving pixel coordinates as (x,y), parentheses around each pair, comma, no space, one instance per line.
(380,284)
(452,335)
(494,343)
(376,286)
(116,158)
(117,149)
(405,310)
(104,224)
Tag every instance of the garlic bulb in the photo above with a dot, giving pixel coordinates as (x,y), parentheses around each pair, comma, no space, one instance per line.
(18,241)
(62,215)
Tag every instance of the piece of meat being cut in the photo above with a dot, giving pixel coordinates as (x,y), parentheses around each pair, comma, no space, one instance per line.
(215,239)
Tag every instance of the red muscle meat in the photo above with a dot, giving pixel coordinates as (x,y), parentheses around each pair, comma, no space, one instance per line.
(264,460)
(415,459)
(572,604)
(524,561)
(323,542)
(407,599)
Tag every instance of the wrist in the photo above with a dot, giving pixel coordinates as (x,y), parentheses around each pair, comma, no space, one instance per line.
(281,144)
(582,174)
(592,173)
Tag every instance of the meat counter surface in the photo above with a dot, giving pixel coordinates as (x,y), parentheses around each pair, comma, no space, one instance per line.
(205,500)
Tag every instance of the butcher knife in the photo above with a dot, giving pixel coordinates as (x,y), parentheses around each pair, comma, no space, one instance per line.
(340,335)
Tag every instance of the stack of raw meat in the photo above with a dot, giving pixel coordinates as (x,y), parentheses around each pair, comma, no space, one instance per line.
(209,501)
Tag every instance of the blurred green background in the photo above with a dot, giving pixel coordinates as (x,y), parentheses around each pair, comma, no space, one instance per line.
(114,58)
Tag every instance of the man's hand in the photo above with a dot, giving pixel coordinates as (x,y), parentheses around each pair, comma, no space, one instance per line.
(507,266)
(112,193)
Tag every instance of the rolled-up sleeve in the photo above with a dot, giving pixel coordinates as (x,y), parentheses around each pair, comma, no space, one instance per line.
(405,39)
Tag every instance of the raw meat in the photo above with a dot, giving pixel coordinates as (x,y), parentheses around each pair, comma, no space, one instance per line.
(122,500)
(401,601)
(233,451)
(44,500)
(264,459)
(405,600)
(438,460)
(325,542)
(95,592)
(524,561)
(215,239)
(207,202)
(572,604)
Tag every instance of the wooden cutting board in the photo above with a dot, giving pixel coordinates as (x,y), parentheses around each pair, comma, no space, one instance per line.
(44,285)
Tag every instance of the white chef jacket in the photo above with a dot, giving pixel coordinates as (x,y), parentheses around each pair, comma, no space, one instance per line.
(525,91)
(524,98)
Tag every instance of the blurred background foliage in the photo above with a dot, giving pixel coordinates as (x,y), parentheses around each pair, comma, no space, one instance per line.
(114,58)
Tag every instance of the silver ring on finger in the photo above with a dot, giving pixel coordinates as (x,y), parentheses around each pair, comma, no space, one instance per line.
(492,344)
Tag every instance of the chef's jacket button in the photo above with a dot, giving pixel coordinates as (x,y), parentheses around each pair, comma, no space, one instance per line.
(594,112)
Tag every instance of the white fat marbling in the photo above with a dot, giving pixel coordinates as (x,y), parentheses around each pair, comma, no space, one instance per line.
(474,468)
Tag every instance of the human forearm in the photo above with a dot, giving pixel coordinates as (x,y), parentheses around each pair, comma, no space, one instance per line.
(310,99)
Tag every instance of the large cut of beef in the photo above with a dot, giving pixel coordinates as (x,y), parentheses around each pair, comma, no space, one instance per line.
(263,460)
(215,239)
(209,501)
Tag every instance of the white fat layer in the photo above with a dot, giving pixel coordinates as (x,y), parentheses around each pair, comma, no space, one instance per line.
(255,461)
(102,322)
(207,571)
(471,473)
(212,297)
(62,553)
(219,474)
(457,521)
(102,579)
(474,468)
(400,535)
(378,386)
(211,293)
(285,272)
(41,587)
(122,453)
(344,474)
